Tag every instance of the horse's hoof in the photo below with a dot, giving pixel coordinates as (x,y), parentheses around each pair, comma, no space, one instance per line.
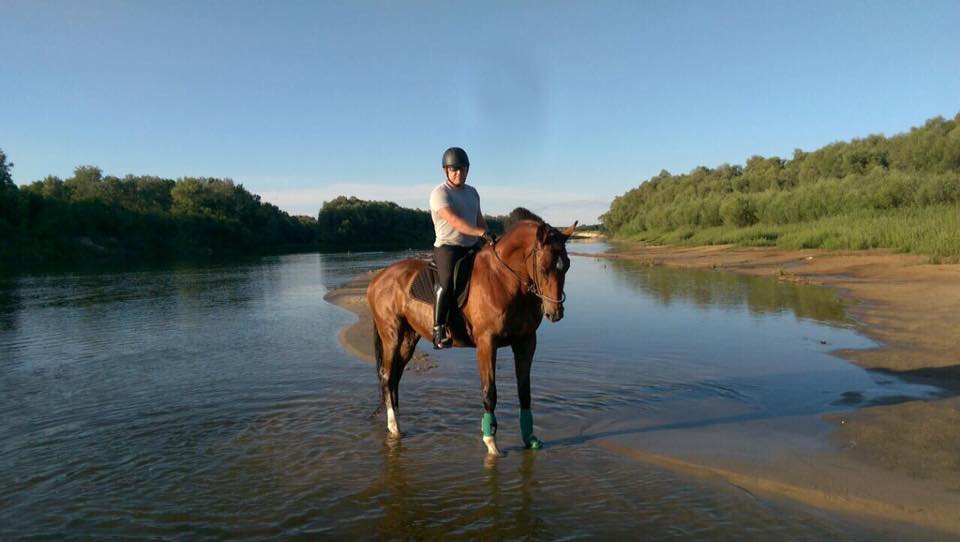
(492,447)
(534,444)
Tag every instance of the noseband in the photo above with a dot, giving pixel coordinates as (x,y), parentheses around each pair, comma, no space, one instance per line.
(534,281)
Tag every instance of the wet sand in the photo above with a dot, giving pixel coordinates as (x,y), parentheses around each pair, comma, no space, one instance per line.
(899,462)
(357,338)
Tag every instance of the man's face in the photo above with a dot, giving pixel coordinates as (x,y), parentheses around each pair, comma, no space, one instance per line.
(457,176)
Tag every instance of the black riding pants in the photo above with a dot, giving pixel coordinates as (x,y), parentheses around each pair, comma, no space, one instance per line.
(445,256)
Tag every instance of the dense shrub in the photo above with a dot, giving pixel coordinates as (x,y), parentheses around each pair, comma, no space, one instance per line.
(915,170)
(738,211)
(921,167)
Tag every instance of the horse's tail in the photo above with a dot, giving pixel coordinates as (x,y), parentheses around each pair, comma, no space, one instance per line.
(377,348)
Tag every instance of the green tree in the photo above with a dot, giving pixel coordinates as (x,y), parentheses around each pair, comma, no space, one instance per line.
(49,187)
(915,169)
(8,202)
(85,183)
(6,178)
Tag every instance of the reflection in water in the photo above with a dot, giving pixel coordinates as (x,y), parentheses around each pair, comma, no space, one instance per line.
(215,402)
(399,512)
(9,304)
(500,505)
(712,289)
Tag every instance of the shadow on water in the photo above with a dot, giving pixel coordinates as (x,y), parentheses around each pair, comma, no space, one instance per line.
(930,384)
(946,378)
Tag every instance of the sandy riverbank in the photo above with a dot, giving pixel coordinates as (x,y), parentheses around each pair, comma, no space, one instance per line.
(357,338)
(899,461)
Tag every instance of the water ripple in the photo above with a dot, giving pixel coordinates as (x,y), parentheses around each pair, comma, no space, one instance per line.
(212,403)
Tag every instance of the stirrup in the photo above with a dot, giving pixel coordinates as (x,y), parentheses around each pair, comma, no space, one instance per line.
(440,338)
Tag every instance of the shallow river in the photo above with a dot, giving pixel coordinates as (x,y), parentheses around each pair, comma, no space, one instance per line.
(215,402)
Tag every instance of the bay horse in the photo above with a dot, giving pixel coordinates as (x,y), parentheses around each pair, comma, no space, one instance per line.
(515,283)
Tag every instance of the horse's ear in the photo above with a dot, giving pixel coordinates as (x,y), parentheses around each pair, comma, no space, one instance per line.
(569,231)
(543,231)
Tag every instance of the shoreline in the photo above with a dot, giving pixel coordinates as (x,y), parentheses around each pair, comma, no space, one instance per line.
(357,338)
(898,462)
(909,306)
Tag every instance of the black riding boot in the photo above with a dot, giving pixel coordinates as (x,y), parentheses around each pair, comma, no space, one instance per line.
(441,307)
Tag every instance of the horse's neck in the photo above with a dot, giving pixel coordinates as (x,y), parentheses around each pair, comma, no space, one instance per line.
(507,264)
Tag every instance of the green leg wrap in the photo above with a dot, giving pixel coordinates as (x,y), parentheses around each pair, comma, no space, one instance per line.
(526,430)
(489,424)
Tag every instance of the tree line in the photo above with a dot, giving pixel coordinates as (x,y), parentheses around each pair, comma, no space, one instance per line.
(103,217)
(831,197)
(349,223)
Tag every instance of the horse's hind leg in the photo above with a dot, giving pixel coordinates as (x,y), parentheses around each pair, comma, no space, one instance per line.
(396,349)
(407,343)
(386,342)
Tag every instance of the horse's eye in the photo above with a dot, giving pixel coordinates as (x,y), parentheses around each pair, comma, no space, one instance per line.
(560,264)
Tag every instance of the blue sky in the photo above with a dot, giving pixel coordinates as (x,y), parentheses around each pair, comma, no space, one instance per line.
(561,105)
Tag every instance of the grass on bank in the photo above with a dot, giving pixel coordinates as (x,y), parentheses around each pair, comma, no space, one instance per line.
(933,231)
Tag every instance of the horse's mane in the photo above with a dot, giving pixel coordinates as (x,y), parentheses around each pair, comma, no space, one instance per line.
(518,220)
(518,215)
(522,215)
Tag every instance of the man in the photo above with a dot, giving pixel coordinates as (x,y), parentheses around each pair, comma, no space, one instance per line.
(458,224)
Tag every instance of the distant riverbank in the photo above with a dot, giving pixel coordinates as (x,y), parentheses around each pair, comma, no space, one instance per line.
(592,235)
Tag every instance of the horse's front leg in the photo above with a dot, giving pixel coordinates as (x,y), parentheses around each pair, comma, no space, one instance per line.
(487,363)
(523,350)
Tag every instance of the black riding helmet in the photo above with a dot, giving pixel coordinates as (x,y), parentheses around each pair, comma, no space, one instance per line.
(455,157)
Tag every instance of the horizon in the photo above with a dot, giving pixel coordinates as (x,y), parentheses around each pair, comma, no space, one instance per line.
(304,103)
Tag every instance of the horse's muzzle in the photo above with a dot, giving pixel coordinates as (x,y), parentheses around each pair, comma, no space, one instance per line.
(553,313)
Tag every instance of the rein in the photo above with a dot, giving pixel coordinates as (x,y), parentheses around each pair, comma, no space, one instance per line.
(536,283)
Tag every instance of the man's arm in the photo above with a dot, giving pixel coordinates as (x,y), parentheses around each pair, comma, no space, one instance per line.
(460,224)
(480,221)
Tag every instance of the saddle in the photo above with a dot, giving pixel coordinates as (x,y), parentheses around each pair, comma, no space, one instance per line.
(423,287)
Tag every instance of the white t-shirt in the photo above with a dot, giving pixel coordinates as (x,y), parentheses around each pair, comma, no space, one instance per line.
(465,203)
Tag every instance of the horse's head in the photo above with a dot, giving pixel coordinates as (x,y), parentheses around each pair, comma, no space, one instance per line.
(549,268)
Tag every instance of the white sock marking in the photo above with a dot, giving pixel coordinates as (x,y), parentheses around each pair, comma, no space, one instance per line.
(392,422)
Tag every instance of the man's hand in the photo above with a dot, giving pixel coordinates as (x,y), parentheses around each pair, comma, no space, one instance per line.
(489,237)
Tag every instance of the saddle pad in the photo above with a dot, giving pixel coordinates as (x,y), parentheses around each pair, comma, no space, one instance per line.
(424,284)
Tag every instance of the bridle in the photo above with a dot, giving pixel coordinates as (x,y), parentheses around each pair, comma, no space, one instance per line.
(535,282)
